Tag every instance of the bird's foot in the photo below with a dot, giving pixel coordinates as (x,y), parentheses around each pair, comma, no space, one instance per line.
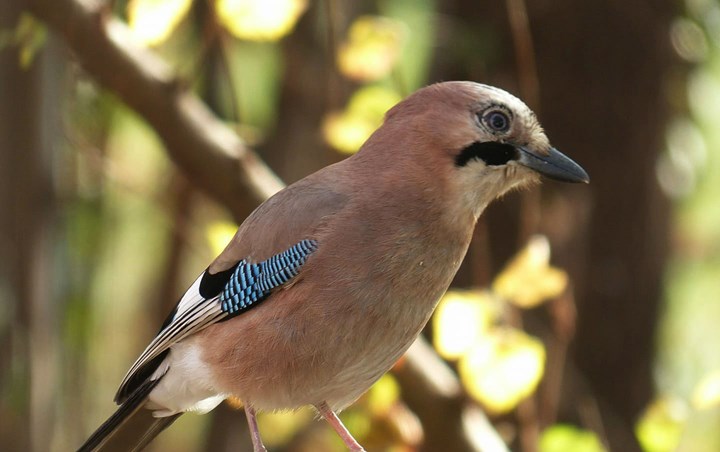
(338,426)
(258,445)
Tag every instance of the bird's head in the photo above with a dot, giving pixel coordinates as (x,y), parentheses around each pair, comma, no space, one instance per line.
(482,140)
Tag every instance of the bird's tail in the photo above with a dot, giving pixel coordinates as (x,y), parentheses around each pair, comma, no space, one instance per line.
(131,427)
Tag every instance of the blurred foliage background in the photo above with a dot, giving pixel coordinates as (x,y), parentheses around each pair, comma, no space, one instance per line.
(607,343)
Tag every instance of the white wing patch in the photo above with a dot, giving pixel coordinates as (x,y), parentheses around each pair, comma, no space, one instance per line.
(193,314)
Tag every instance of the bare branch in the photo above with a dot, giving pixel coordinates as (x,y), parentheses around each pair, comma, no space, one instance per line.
(433,392)
(209,152)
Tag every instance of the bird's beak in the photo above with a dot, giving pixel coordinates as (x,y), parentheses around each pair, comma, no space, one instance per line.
(554,165)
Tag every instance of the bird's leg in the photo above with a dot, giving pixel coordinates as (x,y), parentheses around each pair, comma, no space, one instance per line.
(254,431)
(332,419)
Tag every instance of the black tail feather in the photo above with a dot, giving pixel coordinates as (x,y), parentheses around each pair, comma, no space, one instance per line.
(131,427)
(154,430)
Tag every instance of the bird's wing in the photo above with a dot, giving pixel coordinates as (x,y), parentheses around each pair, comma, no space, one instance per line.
(217,297)
(266,253)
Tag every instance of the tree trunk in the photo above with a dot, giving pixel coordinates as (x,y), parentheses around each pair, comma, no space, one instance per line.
(29,346)
(601,70)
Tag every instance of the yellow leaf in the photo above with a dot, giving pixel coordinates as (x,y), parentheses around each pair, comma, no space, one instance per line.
(528,279)
(564,438)
(372,48)
(503,369)
(707,392)
(661,425)
(152,21)
(372,102)
(460,320)
(347,130)
(260,20)
(219,235)
(383,395)
(284,425)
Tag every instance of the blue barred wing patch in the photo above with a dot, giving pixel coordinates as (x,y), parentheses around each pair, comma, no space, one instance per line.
(251,283)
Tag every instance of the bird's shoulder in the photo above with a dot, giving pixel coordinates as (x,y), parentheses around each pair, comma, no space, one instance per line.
(299,212)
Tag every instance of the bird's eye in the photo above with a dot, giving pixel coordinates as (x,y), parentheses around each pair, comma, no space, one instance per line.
(497,121)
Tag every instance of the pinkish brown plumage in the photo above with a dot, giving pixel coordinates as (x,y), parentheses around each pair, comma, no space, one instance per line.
(389,227)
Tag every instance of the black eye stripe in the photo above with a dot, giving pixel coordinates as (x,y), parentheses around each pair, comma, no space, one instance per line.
(491,152)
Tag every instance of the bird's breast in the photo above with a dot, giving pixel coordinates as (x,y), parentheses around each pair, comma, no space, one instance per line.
(380,301)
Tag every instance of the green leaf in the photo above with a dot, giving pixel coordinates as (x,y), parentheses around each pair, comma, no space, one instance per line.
(29,36)
(564,438)
(661,425)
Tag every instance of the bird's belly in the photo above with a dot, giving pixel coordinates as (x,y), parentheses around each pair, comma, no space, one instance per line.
(305,360)
(328,343)
(287,377)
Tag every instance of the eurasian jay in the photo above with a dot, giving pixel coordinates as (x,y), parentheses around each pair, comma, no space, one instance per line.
(326,284)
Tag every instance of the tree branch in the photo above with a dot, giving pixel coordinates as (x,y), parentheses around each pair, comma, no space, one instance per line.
(433,392)
(209,152)
(215,159)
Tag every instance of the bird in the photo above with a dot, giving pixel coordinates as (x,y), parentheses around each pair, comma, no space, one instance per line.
(326,284)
